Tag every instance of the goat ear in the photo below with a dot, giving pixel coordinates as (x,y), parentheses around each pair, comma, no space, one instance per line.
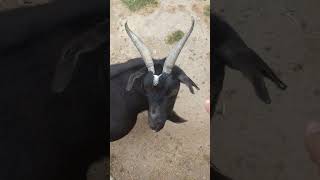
(81,44)
(135,76)
(64,69)
(175,118)
(187,81)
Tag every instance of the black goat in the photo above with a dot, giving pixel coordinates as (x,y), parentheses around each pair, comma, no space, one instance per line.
(44,135)
(158,100)
(146,84)
(137,85)
(230,50)
(48,135)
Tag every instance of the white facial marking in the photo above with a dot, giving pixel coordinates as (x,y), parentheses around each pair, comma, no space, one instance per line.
(156,79)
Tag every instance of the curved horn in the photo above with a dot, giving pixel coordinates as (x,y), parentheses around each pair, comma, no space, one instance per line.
(174,53)
(144,51)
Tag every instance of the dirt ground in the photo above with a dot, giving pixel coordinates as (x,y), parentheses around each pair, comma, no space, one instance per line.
(179,151)
(254,141)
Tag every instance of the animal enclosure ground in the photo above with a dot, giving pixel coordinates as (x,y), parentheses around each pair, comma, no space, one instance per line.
(179,151)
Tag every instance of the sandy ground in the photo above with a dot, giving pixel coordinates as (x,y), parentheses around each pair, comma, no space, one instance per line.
(257,141)
(179,151)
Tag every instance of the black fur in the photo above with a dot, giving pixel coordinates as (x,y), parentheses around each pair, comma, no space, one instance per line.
(44,135)
(141,94)
(20,25)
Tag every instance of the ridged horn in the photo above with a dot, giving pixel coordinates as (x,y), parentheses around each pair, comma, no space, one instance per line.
(174,53)
(143,50)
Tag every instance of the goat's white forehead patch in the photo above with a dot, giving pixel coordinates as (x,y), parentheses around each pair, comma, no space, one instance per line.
(156,79)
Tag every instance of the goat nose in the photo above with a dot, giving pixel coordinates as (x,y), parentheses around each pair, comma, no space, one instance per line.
(153,114)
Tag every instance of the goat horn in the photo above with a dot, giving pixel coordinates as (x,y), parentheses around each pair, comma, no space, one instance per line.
(143,50)
(174,53)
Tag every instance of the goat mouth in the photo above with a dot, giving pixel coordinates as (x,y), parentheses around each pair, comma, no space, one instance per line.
(156,127)
(156,130)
